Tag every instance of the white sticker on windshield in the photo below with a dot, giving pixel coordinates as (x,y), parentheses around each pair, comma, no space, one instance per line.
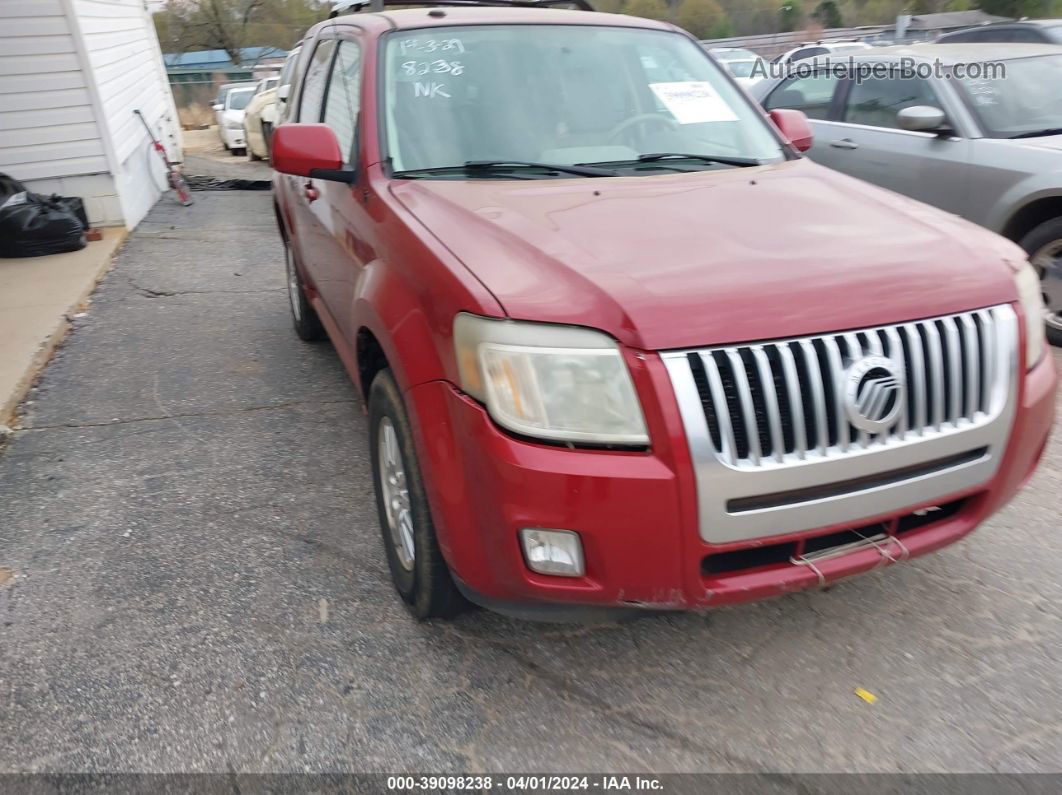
(693,102)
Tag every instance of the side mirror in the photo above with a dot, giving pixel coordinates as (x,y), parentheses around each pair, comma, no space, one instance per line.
(309,150)
(921,118)
(793,125)
(283,92)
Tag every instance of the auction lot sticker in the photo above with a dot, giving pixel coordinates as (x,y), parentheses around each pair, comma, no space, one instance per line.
(693,102)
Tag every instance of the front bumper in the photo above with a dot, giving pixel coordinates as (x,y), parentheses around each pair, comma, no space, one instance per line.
(637,513)
(234,139)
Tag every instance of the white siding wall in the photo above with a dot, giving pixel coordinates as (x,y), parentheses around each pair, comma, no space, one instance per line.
(49,130)
(123,55)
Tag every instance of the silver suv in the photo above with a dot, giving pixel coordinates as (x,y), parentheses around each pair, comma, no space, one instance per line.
(986,146)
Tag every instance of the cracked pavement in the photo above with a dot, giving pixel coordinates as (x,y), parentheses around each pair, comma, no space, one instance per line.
(191,579)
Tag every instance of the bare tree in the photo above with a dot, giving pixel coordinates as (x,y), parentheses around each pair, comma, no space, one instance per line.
(233,25)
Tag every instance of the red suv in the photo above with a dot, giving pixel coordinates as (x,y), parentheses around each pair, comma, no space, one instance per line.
(621,345)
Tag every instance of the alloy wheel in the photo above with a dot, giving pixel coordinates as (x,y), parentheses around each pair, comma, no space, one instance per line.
(395,494)
(294,291)
(1048,263)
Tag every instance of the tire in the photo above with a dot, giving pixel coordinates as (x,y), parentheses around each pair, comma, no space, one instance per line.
(418,570)
(1043,244)
(267,136)
(303,315)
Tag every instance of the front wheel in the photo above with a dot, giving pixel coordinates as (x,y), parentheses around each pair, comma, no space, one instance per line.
(1044,247)
(418,570)
(304,316)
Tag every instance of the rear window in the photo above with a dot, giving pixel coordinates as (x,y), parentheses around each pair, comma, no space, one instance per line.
(965,36)
(238,99)
(813,95)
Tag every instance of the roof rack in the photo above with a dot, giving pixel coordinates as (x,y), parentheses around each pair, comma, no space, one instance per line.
(352,6)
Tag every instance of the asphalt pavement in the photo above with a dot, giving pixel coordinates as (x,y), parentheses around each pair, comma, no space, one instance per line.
(192,579)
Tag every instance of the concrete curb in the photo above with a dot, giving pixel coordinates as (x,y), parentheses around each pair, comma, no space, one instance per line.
(77,291)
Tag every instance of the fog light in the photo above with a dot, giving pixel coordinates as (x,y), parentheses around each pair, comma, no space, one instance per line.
(556,552)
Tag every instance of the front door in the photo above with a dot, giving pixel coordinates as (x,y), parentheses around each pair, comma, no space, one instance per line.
(815,96)
(341,209)
(309,213)
(868,143)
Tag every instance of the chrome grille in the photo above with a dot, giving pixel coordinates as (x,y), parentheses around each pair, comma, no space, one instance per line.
(770,403)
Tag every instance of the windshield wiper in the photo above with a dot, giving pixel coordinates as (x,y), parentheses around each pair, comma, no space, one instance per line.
(582,171)
(493,167)
(1037,133)
(658,159)
(727,161)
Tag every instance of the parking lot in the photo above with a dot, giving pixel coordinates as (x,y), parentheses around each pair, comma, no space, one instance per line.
(204,154)
(191,578)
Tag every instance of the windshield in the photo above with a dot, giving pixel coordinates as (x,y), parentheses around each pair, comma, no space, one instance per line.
(1024,100)
(563,95)
(1055,33)
(238,99)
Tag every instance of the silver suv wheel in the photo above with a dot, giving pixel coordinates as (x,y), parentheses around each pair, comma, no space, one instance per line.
(1048,262)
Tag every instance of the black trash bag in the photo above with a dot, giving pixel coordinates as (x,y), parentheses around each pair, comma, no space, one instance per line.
(9,186)
(32,225)
(74,205)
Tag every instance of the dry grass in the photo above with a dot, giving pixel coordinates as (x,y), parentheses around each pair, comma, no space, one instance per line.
(196,116)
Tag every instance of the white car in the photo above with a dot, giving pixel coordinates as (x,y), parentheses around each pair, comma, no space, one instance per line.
(746,66)
(230,118)
(813,49)
(284,86)
(259,119)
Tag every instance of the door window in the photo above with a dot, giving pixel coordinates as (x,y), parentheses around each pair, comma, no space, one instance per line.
(289,67)
(313,86)
(812,95)
(1026,36)
(808,52)
(343,99)
(875,103)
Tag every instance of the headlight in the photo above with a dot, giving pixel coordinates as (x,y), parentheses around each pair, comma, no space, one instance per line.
(234,125)
(1031,298)
(552,382)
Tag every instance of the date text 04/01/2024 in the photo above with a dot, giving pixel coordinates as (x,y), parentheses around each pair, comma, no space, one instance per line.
(523,783)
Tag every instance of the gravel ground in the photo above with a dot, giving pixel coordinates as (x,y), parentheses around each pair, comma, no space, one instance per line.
(204,155)
(191,579)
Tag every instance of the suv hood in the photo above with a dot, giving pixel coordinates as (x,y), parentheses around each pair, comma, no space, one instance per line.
(1043,142)
(713,257)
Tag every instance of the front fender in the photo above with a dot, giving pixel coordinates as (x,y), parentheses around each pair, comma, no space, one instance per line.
(391,313)
(409,291)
